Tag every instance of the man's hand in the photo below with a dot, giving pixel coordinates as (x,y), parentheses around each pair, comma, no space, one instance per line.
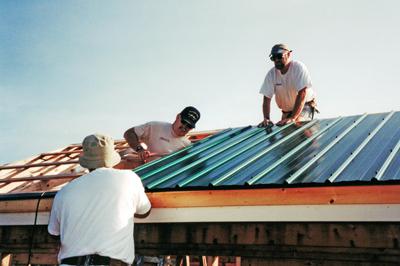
(266,123)
(285,121)
(143,155)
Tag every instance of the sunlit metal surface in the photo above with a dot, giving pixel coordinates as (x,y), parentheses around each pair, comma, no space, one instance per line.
(363,148)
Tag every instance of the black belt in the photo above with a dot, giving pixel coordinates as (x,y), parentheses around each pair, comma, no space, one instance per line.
(93,259)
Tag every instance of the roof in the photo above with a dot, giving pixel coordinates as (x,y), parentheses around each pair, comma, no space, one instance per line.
(50,171)
(361,149)
(338,169)
(344,150)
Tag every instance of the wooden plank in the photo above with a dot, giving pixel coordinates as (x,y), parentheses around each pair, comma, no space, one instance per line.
(24,206)
(116,142)
(36,258)
(6,259)
(37,165)
(220,236)
(42,178)
(183,260)
(384,194)
(285,253)
(238,261)
(203,260)
(246,214)
(348,235)
(61,153)
(342,243)
(252,261)
(378,194)
(213,260)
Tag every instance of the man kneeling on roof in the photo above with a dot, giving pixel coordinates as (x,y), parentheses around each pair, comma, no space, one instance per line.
(155,139)
(290,82)
(94,214)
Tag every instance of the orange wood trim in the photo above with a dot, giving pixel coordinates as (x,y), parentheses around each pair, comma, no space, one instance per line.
(195,136)
(21,206)
(387,194)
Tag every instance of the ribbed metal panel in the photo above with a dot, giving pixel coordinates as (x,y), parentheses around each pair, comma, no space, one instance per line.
(345,149)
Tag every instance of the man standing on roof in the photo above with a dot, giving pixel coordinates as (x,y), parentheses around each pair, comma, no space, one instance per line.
(290,82)
(155,139)
(94,214)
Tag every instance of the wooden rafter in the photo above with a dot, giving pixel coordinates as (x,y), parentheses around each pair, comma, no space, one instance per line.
(41,178)
(37,165)
(48,170)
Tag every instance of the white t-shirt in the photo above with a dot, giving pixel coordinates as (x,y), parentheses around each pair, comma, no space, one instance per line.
(94,214)
(160,138)
(285,87)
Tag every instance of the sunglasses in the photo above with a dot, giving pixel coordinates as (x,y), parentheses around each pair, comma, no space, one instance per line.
(274,57)
(184,127)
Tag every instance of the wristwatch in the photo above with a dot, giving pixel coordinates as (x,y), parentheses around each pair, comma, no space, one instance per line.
(139,148)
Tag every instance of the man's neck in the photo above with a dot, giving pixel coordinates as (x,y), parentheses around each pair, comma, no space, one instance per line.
(285,69)
(172,130)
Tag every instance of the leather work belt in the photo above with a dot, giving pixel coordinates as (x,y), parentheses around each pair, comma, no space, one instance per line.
(309,107)
(311,104)
(93,259)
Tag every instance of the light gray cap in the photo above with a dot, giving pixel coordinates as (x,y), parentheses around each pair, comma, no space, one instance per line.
(279,48)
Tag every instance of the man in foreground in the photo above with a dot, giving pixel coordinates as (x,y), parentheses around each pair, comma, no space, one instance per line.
(94,214)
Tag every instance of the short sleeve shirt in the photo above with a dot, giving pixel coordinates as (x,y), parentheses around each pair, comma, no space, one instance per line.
(94,214)
(285,87)
(159,138)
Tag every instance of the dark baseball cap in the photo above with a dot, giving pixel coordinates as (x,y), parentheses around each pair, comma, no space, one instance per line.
(190,116)
(279,48)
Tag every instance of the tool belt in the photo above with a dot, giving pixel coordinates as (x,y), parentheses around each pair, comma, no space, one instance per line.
(312,104)
(92,259)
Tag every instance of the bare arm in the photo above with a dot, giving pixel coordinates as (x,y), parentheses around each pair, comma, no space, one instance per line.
(298,106)
(266,108)
(133,142)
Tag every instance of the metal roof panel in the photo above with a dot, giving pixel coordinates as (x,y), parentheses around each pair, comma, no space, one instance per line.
(355,148)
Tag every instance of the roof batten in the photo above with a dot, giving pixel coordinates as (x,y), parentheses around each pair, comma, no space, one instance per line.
(359,148)
(322,153)
(45,177)
(37,165)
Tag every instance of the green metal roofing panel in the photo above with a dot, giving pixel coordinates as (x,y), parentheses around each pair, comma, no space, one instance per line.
(363,148)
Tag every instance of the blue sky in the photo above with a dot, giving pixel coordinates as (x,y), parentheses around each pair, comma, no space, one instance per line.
(72,68)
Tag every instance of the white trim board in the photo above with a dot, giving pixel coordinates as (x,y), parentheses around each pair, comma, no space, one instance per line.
(282,213)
